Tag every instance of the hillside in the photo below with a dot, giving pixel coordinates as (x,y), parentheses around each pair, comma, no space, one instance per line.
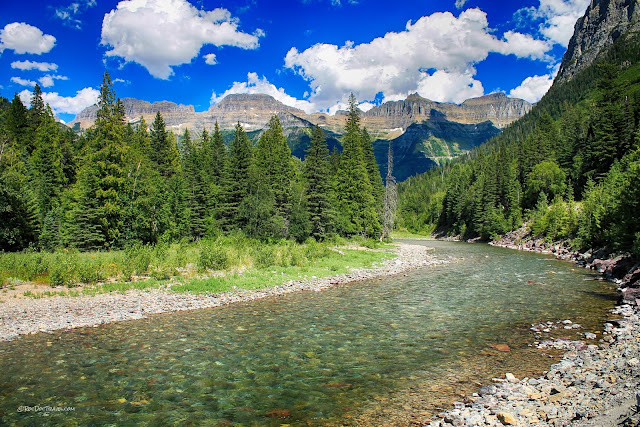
(569,169)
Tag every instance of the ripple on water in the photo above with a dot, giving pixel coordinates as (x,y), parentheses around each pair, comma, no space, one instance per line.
(381,351)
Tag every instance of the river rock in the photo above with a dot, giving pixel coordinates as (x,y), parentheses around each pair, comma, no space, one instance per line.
(507,418)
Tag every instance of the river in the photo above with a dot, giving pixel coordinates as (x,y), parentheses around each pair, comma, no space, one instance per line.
(385,351)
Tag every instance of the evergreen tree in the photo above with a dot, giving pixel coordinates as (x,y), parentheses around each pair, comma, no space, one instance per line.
(356,205)
(236,180)
(273,159)
(372,170)
(164,151)
(193,167)
(99,207)
(318,178)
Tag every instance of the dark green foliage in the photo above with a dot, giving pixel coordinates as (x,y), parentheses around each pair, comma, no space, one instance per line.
(317,171)
(357,211)
(120,185)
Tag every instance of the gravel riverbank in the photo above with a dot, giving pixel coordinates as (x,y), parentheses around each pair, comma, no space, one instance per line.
(21,316)
(593,385)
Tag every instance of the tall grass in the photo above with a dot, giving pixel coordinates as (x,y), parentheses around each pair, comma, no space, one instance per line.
(208,265)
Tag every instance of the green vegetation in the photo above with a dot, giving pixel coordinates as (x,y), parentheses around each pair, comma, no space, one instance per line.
(208,265)
(120,185)
(570,169)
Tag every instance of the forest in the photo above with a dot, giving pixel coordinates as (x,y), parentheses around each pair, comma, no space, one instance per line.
(120,184)
(568,171)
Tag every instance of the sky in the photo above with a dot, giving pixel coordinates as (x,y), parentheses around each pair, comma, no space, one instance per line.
(310,54)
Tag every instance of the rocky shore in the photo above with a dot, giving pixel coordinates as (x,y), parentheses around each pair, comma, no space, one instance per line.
(27,316)
(595,383)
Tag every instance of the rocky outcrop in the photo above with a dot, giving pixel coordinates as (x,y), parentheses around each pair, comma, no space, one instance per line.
(134,109)
(253,111)
(603,23)
(496,108)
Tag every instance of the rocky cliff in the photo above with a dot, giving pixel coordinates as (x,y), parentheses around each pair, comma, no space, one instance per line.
(388,120)
(172,113)
(603,23)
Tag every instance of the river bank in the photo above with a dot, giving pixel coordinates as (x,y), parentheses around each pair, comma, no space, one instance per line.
(595,384)
(19,316)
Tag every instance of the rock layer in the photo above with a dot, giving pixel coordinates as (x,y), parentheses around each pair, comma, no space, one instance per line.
(253,111)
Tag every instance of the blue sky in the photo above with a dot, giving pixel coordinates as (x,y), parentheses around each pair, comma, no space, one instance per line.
(307,53)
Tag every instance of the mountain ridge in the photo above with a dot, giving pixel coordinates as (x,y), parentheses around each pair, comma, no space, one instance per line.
(253,111)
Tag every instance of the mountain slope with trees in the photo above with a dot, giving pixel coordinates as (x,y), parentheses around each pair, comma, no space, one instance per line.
(569,169)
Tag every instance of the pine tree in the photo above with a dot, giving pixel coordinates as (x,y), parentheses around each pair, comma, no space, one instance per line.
(193,166)
(318,179)
(98,212)
(373,171)
(273,159)
(236,180)
(390,196)
(356,205)
(164,151)
(17,124)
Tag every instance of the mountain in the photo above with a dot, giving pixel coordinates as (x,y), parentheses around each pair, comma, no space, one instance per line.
(426,144)
(425,131)
(566,172)
(388,120)
(602,24)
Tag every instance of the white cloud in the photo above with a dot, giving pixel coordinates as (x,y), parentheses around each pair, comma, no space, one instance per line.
(159,34)
(31,65)
(533,88)
(68,14)
(48,80)
(25,38)
(210,59)
(23,82)
(396,63)
(255,84)
(460,4)
(123,81)
(65,104)
(443,86)
(558,18)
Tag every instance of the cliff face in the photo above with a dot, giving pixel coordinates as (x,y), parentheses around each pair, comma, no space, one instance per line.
(388,120)
(172,113)
(603,23)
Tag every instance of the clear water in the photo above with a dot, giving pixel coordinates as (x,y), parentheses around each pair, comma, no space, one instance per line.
(372,352)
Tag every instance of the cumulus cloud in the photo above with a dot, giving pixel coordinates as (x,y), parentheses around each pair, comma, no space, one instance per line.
(23,82)
(533,88)
(255,84)
(397,63)
(31,65)
(443,86)
(210,59)
(69,14)
(49,80)
(65,104)
(25,38)
(159,34)
(558,17)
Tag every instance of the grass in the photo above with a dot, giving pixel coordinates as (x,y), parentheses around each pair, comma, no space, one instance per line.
(211,265)
(405,234)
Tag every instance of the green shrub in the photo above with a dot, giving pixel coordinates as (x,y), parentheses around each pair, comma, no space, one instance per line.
(212,256)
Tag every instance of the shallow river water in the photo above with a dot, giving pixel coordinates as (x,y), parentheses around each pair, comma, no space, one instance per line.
(383,352)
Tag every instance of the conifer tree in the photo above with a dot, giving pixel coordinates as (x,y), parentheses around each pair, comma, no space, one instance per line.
(273,159)
(372,170)
(98,212)
(356,205)
(318,178)
(236,180)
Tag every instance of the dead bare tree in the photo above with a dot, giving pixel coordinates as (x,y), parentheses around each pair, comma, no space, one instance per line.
(390,197)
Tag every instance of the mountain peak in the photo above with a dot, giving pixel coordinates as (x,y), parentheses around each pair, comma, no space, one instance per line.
(602,24)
